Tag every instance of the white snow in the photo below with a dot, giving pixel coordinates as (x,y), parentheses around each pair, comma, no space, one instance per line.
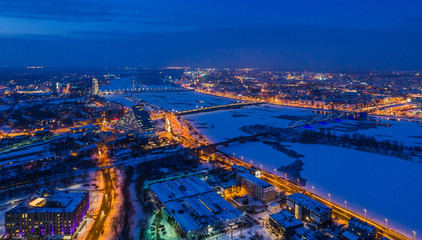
(119,84)
(259,153)
(219,125)
(120,98)
(183,100)
(383,185)
(138,214)
(387,187)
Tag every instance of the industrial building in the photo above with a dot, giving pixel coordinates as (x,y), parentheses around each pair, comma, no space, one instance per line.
(193,207)
(307,209)
(256,187)
(47,212)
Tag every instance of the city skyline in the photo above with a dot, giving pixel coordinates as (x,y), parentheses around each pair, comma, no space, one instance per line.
(210,120)
(319,36)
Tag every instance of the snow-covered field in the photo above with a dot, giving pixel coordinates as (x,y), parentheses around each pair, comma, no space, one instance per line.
(387,187)
(410,133)
(260,154)
(138,214)
(383,185)
(119,84)
(177,101)
(219,125)
(120,98)
(183,100)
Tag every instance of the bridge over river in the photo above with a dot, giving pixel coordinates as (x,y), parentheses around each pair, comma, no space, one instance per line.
(219,107)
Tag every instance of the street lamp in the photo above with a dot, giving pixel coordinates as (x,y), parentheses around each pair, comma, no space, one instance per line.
(285,174)
(386,223)
(329,197)
(365,212)
(251,161)
(298,182)
(275,171)
(345,204)
(313,189)
(261,166)
(414,235)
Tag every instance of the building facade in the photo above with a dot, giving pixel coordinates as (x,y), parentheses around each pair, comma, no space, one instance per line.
(362,229)
(283,224)
(95,88)
(48,212)
(306,209)
(256,187)
(193,207)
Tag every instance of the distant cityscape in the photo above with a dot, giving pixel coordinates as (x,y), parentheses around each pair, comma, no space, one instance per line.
(183,153)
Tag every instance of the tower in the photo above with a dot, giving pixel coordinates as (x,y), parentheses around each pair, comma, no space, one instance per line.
(94,86)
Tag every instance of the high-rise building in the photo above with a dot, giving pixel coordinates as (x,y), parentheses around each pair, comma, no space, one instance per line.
(55,87)
(94,86)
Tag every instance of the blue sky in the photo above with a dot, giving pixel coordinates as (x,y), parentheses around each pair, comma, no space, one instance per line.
(349,35)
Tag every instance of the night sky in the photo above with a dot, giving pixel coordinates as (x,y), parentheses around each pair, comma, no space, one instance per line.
(320,35)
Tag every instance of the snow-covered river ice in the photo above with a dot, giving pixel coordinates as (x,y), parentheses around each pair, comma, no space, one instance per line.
(387,187)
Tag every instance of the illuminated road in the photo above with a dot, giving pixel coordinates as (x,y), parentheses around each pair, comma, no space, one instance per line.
(98,227)
(338,211)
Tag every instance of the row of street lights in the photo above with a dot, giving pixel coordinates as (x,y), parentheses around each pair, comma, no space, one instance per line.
(329,196)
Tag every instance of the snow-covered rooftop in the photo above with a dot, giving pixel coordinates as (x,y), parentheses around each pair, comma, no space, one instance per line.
(50,201)
(193,203)
(355,222)
(286,220)
(254,179)
(179,188)
(308,202)
(350,236)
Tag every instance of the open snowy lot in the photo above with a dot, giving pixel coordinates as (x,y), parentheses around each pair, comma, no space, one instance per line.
(260,154)
(381,184)
(120,98)
(183,100)
(378,183)
(219,125)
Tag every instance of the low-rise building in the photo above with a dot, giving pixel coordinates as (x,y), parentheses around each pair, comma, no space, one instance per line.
(283,224)
(362,229)
(256,187)
(274,207)
(193,206)
(307,209)
(47,212)
(347,235)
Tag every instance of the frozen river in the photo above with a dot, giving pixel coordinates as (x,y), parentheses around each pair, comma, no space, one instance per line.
(378,183)
(387,187)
